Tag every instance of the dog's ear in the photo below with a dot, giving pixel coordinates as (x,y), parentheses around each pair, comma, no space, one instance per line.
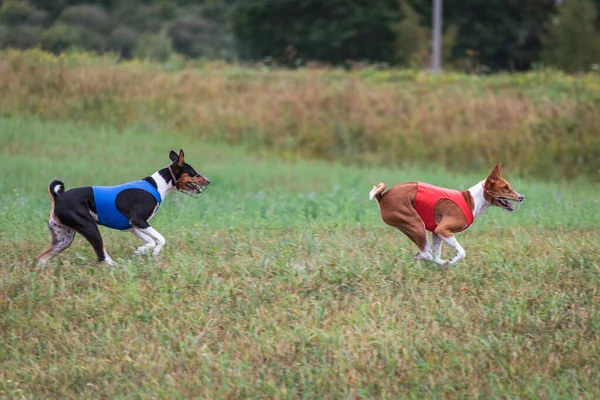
(180,158)
(173,156)
(496,172)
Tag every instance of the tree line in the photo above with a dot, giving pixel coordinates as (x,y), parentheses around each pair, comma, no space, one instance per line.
(479,35)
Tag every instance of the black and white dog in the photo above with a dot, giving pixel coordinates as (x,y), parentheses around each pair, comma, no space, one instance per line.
(126,207)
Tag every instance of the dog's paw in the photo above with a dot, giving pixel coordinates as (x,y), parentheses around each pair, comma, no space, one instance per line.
(141,250)
(421,256)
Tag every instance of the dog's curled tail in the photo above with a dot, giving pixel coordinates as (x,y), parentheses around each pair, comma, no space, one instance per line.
(377,192)
(56,188)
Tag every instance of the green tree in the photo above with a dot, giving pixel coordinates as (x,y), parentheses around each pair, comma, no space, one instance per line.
(19,37)
(123,40)
(14,13)
(332,31)
(574,43)
(86,16)
(504,33)
(154,47)
(413,39)
(196,37)
(61,37)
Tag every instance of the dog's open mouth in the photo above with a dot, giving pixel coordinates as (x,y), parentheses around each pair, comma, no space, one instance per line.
(506,204)
(194,189)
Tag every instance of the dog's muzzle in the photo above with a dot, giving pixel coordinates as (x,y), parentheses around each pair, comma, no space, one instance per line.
(196,186)
(507,204)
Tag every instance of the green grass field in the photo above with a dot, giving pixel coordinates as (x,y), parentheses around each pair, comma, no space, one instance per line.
(283,282)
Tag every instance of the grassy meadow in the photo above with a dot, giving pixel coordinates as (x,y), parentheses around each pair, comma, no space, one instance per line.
(543,124)
(282,281)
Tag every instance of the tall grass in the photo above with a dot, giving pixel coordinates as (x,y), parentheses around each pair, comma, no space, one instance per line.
(542,124)
(282,282)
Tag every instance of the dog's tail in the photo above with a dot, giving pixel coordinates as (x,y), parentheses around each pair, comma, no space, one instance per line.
(56,188)
(377,192)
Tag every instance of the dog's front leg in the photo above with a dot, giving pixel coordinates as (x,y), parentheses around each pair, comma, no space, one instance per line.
(149,243)
(452,242)
(142,226)
(160,240)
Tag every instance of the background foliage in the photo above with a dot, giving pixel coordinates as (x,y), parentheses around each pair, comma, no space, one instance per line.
(480,35)
(543,123)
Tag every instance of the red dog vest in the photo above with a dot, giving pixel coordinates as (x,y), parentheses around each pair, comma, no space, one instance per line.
(427,197)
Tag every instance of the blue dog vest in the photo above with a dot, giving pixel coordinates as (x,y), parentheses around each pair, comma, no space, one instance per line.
(106,203)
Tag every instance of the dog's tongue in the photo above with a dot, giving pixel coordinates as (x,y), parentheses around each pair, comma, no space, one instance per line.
(507,204)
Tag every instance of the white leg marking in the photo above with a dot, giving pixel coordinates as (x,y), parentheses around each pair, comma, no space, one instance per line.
(108,260)
(426,253)
(160,240)
(460,252)
(437,249)
(150,244)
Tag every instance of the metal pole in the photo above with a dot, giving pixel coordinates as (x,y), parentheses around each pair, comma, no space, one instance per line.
(436,56)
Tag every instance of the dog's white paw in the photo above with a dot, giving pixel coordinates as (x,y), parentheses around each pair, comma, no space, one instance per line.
(443,263)
(142,250)
(422,256)
(440,261)
(109,262)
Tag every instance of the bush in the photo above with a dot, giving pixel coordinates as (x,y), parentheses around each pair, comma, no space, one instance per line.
(544,123)
(61,37)
(124,40)
(86,16)
(19,37)
(574,43)
(19,13)
(39,18)
(143,19)
(412,39)
(199,37)
(155,47)
(193,36)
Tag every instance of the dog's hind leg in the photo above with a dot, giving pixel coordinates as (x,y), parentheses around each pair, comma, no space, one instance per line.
(62,237)
(437,248)
(150,244)
(399,212)
(91,233)
(86,226)
(418,235)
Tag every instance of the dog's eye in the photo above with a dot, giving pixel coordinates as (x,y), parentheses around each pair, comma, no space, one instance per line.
(506,187)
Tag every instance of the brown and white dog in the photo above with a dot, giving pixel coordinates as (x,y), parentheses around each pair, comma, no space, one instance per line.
(415,208)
